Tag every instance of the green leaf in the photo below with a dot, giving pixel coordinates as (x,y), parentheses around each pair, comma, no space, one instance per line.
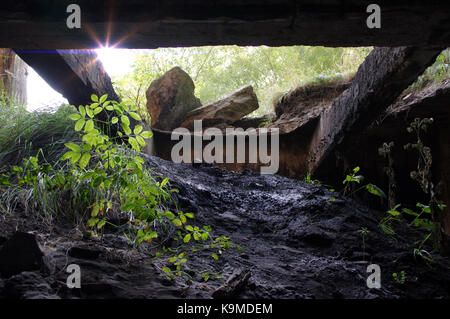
(89,126)
(187,238)
(173,259)
(95,210)
(103,98)
(66,156)
(75,116)
(410,212)
(146,134)
(89,112)
(215,256)
(177,222)
(134,143)
(82,110)
(126,129)
(114,120)
(140,140)
(125,120)
(79,124)
(84,161)
(169,215)
(189,215)
(101,224)
(164,182)
(205,236)
(139,159)
(75,157)
(73,147)
(375,190)
(166,269)
(135,116)
(138,129)
(97,110)
(425,208)
(91,222)
(94,97)
(189,228)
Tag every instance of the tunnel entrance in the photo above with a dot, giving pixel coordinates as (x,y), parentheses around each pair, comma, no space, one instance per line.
(362,140)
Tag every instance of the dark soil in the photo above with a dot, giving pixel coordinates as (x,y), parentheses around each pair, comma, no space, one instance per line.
(296,244)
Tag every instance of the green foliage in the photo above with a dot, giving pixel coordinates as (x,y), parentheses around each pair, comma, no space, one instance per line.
(423,176)
(23,134)
(353,179)
(308,179)
(427,218)
(219,70)
(400,278)
(97,176)
(434,74)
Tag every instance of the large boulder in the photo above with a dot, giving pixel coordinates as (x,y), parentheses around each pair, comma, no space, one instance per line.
(229,109)
(169,98)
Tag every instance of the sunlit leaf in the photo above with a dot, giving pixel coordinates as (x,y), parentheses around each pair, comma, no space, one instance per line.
(79,124)
(135,116)
(177,222)
(103,98)
(187,238)
(75,116)
(125,120)
(373,189)
(146,134)
(82,110)
(73,147)
(84,161)
(138,129)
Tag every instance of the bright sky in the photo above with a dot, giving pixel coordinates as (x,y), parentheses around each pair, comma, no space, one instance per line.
(117,62)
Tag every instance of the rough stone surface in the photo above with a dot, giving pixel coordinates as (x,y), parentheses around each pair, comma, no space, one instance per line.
(296,243)
(380,79)
(36,24)
(20,253)
(170,98)
(228,109)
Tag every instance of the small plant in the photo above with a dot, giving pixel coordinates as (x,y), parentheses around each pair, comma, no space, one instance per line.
(352,179)
(400,278)
(423,176)
(386,151)
(364,233)
(308,179)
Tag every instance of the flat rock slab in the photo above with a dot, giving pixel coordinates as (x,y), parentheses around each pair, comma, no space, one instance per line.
(228,109)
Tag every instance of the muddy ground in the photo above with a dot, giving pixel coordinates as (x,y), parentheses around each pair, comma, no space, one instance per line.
(296,243)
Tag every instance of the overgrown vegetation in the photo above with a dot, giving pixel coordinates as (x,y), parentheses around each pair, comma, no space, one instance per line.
(427,217)
(98,177)
(219,70)
(23,134)
(434,74)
